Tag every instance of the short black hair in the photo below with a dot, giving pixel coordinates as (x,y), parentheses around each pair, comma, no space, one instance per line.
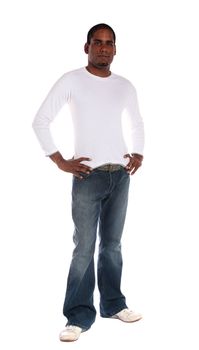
(97,27)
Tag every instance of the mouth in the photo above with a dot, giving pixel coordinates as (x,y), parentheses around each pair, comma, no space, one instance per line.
(103,56)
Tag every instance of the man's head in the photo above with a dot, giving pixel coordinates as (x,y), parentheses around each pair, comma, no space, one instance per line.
(97,27)
(100,45)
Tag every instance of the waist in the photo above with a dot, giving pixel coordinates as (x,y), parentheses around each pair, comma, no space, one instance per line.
(110,167)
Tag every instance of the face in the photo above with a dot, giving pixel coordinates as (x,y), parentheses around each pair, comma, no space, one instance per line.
(101,49)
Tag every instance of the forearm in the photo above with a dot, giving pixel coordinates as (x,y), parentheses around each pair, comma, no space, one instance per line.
(56,157)
(44,137)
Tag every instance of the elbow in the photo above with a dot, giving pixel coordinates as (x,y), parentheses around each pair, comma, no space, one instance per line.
(35,126)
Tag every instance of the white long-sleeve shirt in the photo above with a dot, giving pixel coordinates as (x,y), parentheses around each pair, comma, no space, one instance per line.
(97,105)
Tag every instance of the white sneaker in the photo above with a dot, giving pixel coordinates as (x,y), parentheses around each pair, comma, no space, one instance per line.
(127,315)
(70,333)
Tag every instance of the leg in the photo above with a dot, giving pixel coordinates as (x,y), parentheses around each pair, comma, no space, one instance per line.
(112,218)
(86,201)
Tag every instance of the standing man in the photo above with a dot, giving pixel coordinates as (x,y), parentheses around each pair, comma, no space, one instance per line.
(101,169)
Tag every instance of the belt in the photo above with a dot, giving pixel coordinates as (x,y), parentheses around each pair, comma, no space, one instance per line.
(110,167)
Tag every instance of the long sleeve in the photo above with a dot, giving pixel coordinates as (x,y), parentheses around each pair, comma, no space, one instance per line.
(136,122)
(57,97)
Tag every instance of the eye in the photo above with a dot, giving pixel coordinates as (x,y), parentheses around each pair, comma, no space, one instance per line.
(97,43)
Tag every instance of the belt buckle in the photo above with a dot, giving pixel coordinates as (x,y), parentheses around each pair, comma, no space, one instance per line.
(111,167)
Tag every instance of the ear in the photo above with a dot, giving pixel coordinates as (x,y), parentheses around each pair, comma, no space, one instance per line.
(86,46)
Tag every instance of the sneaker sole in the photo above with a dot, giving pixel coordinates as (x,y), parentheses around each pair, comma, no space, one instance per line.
(68,340)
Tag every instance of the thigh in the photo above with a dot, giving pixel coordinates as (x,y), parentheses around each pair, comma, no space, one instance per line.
(113,208)
(86,204)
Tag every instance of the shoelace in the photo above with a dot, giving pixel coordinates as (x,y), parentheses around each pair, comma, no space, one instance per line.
(128,311)
(71,328)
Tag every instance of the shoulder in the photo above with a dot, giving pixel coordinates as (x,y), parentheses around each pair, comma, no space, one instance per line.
(126,83)
(72,74)
(67,79)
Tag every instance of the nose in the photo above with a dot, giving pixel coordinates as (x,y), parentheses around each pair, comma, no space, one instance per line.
(103,48)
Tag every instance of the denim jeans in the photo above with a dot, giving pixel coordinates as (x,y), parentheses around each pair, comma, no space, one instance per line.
(99,202)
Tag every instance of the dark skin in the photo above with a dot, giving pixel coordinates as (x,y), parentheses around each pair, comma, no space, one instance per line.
(100,51)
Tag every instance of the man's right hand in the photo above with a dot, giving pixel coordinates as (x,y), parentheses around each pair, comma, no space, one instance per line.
(73,166)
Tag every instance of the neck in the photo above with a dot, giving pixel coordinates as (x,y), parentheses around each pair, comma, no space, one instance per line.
(99,71)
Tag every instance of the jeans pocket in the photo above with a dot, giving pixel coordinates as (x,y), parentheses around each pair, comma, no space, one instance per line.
(84,175)
(125,171)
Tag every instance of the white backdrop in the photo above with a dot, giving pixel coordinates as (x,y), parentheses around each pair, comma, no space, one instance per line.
(157,49)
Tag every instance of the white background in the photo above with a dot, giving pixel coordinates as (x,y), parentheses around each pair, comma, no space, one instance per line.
(157,49)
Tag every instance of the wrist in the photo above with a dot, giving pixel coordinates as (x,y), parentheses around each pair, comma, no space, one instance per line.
(137,155)
(56,158)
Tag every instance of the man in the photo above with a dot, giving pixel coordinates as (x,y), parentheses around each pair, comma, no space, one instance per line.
(101,167)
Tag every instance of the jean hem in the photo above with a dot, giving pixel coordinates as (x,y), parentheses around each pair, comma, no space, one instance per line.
(83,328)
(114,312)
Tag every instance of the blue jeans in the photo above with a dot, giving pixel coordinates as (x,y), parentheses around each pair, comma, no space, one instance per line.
(99,201)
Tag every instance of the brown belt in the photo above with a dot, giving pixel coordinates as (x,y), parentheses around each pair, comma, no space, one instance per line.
(110,167)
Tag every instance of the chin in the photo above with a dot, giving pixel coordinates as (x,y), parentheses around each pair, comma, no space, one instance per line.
(103,64)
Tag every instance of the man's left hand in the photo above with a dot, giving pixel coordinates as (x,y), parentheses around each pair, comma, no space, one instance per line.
(135,161)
